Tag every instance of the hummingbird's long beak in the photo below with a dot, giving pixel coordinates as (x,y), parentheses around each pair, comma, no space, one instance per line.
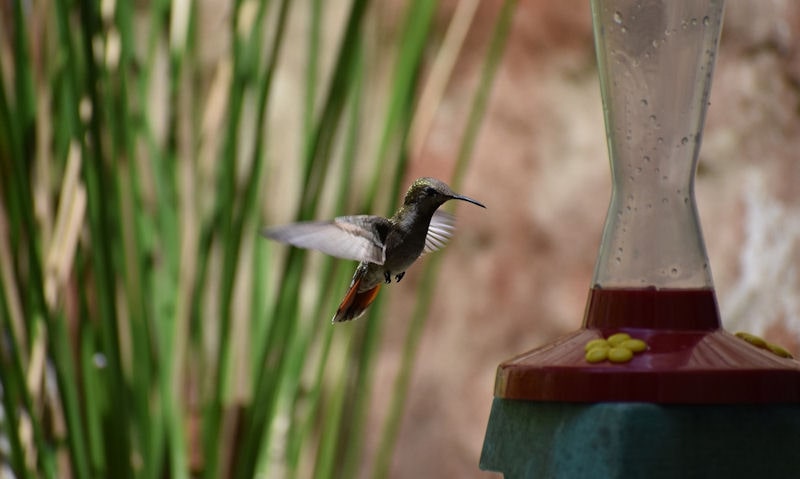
(467,199)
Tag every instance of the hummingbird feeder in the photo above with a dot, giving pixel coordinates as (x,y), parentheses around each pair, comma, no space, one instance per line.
(651,385)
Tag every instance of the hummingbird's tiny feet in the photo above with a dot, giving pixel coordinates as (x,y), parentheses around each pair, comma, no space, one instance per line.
(387,275)
(399,276)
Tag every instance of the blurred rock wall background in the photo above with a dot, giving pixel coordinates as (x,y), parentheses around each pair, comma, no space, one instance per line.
(518,273)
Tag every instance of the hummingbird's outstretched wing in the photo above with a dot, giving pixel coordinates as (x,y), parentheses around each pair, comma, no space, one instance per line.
(440,230)
(357,237)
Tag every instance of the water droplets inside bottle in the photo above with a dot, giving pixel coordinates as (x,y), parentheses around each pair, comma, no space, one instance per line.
(654,129)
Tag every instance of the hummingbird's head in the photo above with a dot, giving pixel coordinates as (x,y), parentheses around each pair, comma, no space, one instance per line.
(432,192)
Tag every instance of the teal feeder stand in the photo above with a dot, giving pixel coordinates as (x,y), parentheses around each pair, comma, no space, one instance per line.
(651,385)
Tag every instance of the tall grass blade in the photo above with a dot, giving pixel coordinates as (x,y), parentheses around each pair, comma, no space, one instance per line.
(427,286)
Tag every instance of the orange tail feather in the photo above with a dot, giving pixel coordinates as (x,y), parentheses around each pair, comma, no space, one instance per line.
(355,303)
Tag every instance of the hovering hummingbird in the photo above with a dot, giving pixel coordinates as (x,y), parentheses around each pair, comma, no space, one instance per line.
(385,247)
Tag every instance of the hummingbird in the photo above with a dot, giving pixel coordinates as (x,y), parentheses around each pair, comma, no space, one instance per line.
(384,247)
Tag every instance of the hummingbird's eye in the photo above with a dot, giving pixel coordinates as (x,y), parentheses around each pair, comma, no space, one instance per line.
(430,191)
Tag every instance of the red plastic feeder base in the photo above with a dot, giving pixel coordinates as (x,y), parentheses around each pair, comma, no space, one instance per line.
(689,360)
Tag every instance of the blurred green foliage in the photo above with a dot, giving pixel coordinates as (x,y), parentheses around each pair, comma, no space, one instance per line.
(146,330)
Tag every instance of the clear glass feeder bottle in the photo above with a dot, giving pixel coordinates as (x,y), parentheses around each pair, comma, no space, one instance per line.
(652,278)
(655,62)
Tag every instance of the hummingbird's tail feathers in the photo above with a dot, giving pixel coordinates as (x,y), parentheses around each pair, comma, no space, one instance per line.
(355,303)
